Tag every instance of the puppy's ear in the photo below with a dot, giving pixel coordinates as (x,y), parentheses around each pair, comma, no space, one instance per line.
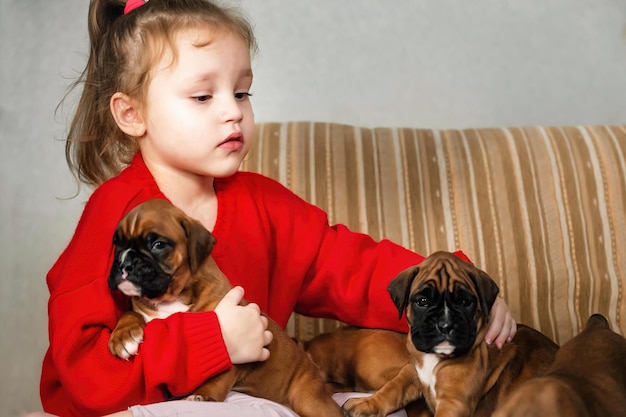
(116,236)
(400,287)
(200,242)
(487,289)
(596,322)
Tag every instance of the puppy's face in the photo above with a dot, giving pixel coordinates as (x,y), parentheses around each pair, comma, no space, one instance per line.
(446,300)
(157,249)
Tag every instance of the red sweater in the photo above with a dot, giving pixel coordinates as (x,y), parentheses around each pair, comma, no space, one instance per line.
(278,247)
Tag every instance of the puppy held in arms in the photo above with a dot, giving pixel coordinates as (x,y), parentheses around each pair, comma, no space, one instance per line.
(444,358)
(162,261)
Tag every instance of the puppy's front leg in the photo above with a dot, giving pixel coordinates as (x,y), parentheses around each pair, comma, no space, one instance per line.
(127,335)
(216,388)
(404,388)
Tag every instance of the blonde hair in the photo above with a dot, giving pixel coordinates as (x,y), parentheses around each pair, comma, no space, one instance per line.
(123,49)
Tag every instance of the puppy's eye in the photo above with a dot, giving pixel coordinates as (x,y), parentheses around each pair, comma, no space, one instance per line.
(159,245)
(426,297)
(422,301)
(466,300)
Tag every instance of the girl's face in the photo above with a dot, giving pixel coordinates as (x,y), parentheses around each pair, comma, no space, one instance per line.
(198,116)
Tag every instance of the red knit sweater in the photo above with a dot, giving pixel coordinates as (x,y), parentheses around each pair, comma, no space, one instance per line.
(275,245)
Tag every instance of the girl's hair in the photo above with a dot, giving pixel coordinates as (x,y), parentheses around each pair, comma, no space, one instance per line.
(123,49)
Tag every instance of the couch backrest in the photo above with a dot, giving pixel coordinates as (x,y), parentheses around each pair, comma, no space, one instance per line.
(542,210)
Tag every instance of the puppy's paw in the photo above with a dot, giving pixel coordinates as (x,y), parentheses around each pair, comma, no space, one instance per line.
(361,407)
(125,343)
(127,336)
(125,346)
(198,397)
(195,397)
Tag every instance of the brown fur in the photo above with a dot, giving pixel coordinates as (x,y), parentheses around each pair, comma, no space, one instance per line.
(587,379)
(471,384)
(363,360)
(288,377)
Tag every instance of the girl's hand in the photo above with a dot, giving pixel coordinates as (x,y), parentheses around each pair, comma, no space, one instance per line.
(244,328)
(502,326)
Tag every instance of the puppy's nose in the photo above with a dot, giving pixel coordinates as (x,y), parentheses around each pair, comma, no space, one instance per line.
(126,261)
(444,325)
(126,266)
(444,322)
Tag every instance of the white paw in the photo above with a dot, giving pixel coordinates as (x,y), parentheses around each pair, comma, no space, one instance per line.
(131,348)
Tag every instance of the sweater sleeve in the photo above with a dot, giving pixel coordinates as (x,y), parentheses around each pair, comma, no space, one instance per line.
(80,376)
(351,273)
(342,274)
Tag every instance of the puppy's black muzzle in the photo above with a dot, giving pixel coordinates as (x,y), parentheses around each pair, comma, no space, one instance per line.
(141,271)
(450,318)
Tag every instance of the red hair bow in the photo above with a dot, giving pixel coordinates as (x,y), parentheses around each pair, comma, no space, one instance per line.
(133,4)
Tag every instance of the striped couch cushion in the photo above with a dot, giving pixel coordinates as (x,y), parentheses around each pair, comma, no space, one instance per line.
(542,210)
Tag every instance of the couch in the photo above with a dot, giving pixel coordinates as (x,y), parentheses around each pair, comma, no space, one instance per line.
(541,209)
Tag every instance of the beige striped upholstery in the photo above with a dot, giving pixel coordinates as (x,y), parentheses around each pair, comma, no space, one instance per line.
(542,210)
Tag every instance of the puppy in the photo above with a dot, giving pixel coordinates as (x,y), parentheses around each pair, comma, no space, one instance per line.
(587,379)
(447,362)
(162,261)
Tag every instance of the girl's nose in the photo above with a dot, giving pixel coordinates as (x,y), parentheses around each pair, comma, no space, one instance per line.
(231,110)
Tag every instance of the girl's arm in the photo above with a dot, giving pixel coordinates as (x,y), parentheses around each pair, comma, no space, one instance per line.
(348,272)
(177,355)
(361,270)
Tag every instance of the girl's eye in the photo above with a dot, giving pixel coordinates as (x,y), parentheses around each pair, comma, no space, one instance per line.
(242,96)
(202,99)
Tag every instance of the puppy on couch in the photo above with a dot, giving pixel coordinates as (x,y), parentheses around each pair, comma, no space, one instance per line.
(444,358)
(587,379)
(162,255)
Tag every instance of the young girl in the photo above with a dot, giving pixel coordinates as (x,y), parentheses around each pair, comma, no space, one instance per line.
(165,113)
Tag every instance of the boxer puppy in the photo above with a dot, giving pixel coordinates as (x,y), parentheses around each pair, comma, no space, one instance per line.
(587,379)
(447,303)
(162,261)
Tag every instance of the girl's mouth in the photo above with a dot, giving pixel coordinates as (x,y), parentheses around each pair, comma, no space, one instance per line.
(233,142)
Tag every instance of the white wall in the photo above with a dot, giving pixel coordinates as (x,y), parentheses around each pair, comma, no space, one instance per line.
(419,63)
(441,64)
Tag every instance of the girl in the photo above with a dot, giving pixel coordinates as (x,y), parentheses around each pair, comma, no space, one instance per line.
(165,113)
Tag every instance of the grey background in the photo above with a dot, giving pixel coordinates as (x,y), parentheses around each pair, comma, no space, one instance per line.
(414,63)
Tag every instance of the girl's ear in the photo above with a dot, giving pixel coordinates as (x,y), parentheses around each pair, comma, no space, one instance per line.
(127,115)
